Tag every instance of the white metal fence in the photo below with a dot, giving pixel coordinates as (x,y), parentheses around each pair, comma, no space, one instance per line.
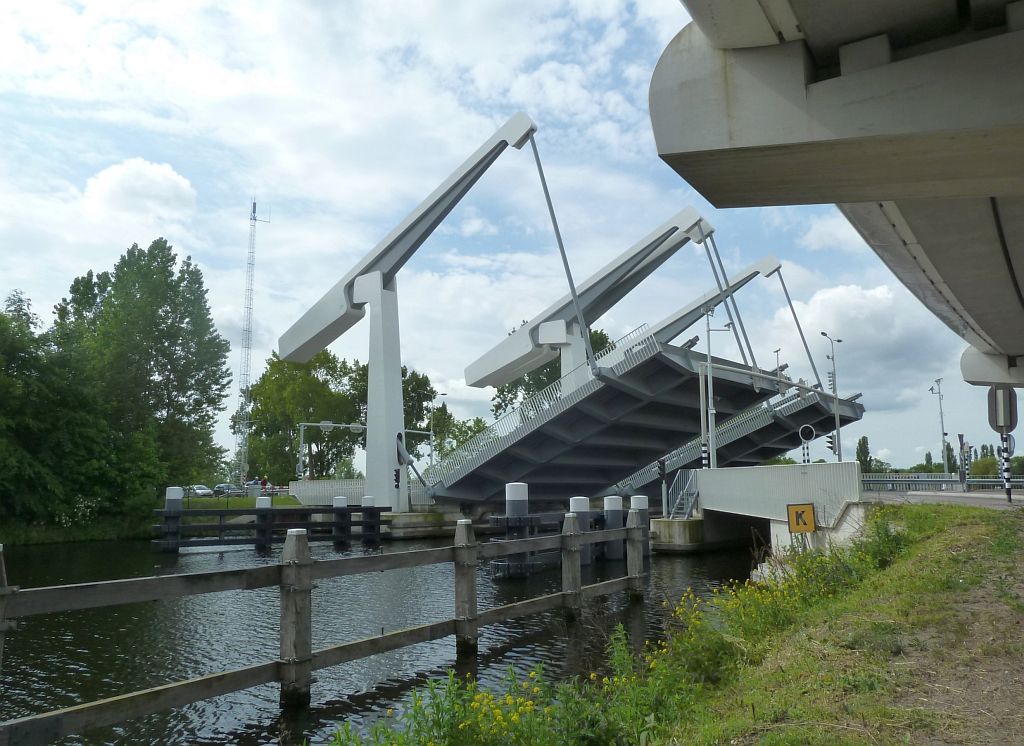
(321,491)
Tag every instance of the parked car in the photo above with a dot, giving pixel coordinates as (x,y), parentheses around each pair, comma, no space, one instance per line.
(227,489)
(200,490)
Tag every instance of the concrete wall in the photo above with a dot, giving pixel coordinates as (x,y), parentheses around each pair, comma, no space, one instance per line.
(764,491)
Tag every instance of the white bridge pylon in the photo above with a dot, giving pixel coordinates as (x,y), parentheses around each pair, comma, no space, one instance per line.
(555,331)
(372,283)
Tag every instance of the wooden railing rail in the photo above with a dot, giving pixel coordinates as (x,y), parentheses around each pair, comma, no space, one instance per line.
(294,576)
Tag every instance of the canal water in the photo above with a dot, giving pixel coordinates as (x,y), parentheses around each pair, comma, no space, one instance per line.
(59,660)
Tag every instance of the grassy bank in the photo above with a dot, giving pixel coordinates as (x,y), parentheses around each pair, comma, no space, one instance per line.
(100,529)
(903,638)
(238,501)
(119,527)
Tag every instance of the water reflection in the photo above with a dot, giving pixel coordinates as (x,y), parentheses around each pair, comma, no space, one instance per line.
(60,660)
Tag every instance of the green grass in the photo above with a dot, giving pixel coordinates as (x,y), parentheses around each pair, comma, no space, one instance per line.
(237,501)
(809,659)
(101,529)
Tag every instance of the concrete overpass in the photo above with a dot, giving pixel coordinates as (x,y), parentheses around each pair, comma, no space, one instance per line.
(909,116)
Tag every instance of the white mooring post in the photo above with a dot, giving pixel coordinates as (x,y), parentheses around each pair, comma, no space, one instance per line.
(174,503)
(296,620)
(581,507)
(572,572)
(635,555)
(465,588)
(613,518)
(642,504)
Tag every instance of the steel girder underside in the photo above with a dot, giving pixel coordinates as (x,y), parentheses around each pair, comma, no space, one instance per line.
(633,417)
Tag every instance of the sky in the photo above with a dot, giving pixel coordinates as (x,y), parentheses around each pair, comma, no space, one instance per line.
(125,121)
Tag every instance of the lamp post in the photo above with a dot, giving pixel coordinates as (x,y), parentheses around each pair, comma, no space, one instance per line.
(354,427)
(835,394)
(712,443)
(937,389)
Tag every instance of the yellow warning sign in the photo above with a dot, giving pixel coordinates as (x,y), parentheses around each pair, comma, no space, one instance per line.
(801,518)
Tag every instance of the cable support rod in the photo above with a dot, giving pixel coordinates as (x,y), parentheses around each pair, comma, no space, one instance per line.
(732,299)
(721,289)
(584,329)
(799,329)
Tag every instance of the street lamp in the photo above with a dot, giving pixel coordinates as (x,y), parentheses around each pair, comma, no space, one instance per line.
(835,394)
(937,389)
(712,443)
(353,427)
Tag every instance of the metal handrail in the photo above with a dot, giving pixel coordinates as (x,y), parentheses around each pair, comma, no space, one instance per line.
(622,354)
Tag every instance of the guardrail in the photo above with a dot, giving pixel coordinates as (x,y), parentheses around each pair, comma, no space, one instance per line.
(925,482)
(622,354)
(294,576)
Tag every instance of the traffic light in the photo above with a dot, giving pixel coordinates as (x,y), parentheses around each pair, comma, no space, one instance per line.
(398,479)
(661,469)
(830,441)
(831,381)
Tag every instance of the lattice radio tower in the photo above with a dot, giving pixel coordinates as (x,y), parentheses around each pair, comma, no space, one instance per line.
(242,421)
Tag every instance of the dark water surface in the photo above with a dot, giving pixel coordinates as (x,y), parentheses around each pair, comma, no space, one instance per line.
(59,660)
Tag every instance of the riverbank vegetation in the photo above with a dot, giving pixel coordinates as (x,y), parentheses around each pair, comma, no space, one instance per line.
(860,645)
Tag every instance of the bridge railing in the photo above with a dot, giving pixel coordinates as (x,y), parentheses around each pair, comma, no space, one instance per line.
(625,352)
(294,577)
(932,482)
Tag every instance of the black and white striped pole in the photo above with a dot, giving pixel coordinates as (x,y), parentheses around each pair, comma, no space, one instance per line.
(807,434)
(1002,417)
(1004,452)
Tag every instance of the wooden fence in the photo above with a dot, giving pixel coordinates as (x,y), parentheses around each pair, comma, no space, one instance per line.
(294,576)
(177,529)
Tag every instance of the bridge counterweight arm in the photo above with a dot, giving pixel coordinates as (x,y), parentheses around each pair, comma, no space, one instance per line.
(337,311)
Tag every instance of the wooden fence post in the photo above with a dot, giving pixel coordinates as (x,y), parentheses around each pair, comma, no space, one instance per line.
(264,523)
(572,573)
(296,667)
(5,591)
(341,528)
(465,588)
(635,555)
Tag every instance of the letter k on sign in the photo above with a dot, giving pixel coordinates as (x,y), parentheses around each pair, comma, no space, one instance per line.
(801,518)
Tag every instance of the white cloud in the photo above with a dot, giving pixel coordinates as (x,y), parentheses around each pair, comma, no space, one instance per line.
(832,232)
(475,224)
(138,187)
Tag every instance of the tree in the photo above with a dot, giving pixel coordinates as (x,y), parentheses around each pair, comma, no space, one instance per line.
(986,466)
(864,454)
(152,352)
(325,388)
(951,460)
(59,456)
(510,395)
(778,461)
(289,393)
